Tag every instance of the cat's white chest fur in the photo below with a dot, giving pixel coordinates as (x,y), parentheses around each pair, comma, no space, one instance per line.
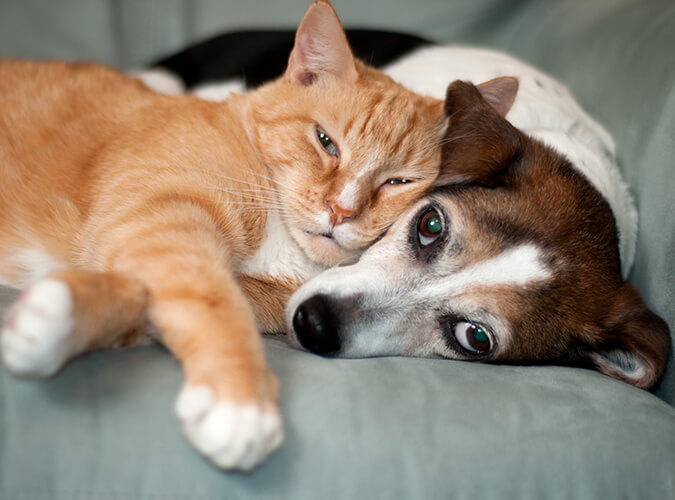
(279,256)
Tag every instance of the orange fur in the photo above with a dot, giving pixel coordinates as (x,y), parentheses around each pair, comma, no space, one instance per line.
(147,206)
(109,309)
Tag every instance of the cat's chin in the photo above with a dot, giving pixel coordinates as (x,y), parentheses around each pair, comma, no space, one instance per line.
(324,249)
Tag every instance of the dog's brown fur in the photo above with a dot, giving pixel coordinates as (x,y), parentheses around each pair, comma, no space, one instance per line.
(519,190)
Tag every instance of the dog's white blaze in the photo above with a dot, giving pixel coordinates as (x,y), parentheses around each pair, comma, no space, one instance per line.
(517,266)
(279,256)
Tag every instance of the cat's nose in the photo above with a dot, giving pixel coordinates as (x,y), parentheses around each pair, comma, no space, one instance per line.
(338,213)
(315,325)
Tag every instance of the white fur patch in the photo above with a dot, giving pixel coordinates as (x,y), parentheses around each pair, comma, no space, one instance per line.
(36,330)
(517,266)
(347,197)
(624,363)
(34,265)
(279,256)
(231,436)
(220,91)
(160,80)
(165,82)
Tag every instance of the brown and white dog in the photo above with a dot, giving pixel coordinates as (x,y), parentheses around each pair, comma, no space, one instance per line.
(520,258)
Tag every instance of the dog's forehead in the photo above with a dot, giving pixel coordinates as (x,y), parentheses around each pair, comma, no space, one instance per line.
(473,255)
(487,220)
(475,288)
(483,268)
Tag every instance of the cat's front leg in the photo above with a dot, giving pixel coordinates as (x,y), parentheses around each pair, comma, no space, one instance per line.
(228,404)
(184,252)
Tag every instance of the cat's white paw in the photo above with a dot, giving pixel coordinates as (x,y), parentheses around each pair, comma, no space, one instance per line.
(232,436)
(35,333)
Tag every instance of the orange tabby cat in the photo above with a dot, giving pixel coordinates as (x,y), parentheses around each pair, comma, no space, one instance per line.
(120,206)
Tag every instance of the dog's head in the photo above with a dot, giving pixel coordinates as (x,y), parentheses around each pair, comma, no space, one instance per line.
(512,258)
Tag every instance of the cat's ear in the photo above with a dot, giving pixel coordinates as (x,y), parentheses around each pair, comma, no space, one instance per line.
(499,93)
(320,47)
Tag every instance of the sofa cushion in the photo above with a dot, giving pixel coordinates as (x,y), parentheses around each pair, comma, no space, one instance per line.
(373,428)
(389,427)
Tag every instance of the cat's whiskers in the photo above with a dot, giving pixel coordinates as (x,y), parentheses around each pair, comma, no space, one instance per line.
(288,213)
(280,184)
(260,205)
(255,188)
(249,207)
(234,179)
(252,194)
(255,201)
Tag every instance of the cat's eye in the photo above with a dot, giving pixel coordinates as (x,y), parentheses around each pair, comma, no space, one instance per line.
(396,182)
(429,227)
(472,337)
(326,142)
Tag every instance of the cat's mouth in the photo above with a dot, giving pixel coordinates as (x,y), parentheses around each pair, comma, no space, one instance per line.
(327,236)
(325,248)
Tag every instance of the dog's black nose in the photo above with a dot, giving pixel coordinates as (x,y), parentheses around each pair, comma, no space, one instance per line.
(315,325)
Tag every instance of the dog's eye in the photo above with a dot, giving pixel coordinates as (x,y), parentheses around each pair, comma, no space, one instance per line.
(326,142)
(429,227)
(474,338)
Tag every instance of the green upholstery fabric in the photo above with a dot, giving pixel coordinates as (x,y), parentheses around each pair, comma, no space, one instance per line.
(383,428)
(390,427)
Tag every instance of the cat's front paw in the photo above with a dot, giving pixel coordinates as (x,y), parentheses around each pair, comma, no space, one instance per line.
(232,436)
(35,333)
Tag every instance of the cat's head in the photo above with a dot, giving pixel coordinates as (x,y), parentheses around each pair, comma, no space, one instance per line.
(350,149)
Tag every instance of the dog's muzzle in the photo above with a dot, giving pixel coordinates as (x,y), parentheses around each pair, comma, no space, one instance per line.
(316,326)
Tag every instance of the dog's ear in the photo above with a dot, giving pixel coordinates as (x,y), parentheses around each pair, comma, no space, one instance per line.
(320,47)
(479,143)
(499,93)
(636,344)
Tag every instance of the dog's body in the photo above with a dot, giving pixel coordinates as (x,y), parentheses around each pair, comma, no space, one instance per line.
(520,260)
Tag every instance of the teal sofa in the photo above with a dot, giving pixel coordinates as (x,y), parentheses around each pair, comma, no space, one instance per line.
(391,428)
